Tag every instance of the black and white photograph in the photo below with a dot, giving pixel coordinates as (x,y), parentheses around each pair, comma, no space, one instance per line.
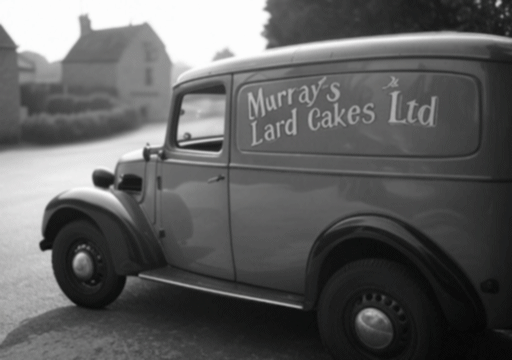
(256,179)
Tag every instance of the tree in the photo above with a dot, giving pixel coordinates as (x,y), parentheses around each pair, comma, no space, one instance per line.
(300,21)
(486,16)
(223,54)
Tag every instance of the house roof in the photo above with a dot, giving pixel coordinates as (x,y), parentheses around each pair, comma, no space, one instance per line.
(5,39)
(25,64)
(103,45)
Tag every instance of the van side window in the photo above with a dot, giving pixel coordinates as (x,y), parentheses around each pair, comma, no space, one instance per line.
(201,119)
(423,113)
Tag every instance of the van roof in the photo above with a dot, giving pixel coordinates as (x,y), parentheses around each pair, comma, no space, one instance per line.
(435,44)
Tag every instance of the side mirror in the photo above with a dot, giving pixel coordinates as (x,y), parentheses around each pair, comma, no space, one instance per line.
(146,153)
(149,150)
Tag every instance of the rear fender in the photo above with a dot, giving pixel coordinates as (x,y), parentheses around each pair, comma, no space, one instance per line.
(368,236)
(128,233)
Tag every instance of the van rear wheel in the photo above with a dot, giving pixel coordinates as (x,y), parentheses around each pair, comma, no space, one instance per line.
(83,266)
(372,309)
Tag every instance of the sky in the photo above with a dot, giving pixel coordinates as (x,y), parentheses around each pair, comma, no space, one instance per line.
(192,30)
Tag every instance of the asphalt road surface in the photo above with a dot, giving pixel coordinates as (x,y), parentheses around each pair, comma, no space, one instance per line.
(30,177)
(149,320)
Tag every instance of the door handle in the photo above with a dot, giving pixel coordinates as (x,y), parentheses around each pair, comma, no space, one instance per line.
(216,178)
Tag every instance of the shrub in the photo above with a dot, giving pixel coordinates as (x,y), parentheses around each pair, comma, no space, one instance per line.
(60,104)
(47,128)
(34,96)
(70,104)
(84,91)
(100,102)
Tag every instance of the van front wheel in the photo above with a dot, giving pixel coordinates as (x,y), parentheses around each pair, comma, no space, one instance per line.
(83,266)
(375,309)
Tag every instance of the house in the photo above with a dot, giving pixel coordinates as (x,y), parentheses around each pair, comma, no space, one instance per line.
(9,90)
(26,70)
(130,61)
(35,68)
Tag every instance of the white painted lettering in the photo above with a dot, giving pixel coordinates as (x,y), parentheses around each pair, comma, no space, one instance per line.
(326,120)
(394,114)
(304,94)
(256,106)
(338,121)
(270,102)
(327,111)
(313,114)
(290,96)
(410,112)
(269,134)
(316,90)
(291,124)
(368,110)
(280,96)
(432,109)
(255,140)
(278,128)
(335,92)
(353,115)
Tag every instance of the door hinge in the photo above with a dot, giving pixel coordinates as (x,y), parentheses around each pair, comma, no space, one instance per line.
(159,182)
(161,233)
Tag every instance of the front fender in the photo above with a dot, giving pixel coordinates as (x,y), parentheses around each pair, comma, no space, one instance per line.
(389,238)
(129,236)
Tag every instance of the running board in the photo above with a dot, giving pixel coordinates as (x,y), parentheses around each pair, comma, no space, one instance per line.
(170,275)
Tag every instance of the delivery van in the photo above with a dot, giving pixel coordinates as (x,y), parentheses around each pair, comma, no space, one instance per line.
(369,180)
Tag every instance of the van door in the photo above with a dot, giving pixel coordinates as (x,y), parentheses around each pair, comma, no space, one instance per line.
(194,180)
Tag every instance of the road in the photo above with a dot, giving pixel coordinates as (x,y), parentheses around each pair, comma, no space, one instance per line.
(31,176)
(149,320)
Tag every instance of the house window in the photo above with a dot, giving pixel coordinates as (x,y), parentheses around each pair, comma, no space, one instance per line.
(149,77)
(150,51)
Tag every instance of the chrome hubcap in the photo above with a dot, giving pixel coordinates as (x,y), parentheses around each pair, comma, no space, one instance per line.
(83,265)
(374,328)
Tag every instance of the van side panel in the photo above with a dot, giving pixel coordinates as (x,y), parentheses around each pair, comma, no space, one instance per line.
(278,215)
(282,201)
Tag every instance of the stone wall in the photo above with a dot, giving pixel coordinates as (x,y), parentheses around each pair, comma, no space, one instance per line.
(9,97)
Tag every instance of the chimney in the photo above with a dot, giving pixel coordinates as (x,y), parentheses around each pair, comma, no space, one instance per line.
(85,25)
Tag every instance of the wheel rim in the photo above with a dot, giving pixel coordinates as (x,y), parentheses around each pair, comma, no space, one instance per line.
(86,266)
(83,265)
(374,329)
(379,324)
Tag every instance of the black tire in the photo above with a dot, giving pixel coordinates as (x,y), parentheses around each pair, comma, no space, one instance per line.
(103,285)
(356,291)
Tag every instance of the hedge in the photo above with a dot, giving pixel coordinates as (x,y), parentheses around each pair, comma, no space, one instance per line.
(35,97)
(47,128)
(69,104)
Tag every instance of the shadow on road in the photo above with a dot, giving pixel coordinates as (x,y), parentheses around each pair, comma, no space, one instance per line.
(153,321)
(164,322)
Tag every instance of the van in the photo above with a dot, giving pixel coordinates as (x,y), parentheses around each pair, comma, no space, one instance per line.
(368,179)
